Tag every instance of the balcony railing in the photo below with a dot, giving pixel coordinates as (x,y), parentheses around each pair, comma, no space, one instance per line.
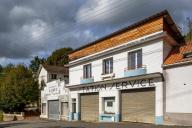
(107,76)
(86,80)
(135,71)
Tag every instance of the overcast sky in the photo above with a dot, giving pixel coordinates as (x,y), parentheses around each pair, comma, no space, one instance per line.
(37,27)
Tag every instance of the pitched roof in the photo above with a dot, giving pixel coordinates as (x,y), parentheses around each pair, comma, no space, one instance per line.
(176,56)
(56,69)
(177,35)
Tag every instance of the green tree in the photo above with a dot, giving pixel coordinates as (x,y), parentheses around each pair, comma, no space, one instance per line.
(34,65)
(1,68)
(59,57)
(8,67)
(188,36)
(17,89)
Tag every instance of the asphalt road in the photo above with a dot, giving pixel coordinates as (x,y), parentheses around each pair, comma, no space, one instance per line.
(61,124)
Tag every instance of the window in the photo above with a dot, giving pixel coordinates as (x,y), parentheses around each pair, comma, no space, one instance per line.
(109,105)
(108,66)
(87,73)
(43,108)
(53,76)
(135,59)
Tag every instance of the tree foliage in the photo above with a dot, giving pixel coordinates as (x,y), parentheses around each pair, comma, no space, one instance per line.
(34,65)
(59,57)
(1,68)
(188,36)
(17,89)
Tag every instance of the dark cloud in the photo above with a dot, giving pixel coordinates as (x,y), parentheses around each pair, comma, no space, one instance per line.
(37,27)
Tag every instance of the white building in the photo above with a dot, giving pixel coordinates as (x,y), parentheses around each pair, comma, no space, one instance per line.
(120,77)
(178,89)
(54,95)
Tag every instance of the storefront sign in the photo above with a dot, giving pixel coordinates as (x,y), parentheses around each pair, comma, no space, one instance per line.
(121,85)
(54,90)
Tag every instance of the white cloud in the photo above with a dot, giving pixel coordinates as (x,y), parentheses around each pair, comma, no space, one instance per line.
(32,27)
(36,29)
(20,11)
(5,61)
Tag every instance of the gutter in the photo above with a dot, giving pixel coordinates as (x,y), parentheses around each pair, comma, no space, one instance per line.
(177,64)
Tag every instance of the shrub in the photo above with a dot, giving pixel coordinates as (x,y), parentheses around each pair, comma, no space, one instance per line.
(1,116)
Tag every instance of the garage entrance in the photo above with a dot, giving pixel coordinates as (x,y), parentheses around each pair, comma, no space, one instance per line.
(138,105)
(90,107)
(53,109)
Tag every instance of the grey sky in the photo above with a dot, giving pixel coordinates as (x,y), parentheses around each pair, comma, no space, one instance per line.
(37,27)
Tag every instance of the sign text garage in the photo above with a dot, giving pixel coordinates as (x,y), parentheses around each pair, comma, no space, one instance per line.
(120,85)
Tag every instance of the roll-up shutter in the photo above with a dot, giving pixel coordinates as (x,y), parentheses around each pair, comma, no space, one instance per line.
(90,107)
(138,105)
(53,109)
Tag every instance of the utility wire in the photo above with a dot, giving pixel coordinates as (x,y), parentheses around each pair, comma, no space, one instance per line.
(122,59)
(88,19)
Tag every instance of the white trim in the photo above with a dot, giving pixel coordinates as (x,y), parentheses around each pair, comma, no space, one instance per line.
(177,64)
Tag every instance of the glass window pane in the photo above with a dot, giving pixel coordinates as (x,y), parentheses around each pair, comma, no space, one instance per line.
(135,59)
(87,71)
(108,66)
(109,104)
(139,58)
(111,65)
(131,60)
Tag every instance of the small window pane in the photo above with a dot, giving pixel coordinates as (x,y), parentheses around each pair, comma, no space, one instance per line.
(108,66)
(135,59)
(109,104)
(87,73)
(53,76)
(139,59)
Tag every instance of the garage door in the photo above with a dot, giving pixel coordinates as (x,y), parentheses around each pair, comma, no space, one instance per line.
(53,109)
(138,105)
(90,107)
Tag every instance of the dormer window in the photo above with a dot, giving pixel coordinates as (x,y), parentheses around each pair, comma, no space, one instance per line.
(187,55)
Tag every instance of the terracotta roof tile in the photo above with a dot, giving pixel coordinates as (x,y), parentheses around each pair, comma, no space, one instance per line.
(176,55)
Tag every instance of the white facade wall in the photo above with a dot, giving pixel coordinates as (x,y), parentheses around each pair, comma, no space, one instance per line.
(152,58)
(43,76)
(166,49)
(179,89)
(54,90)
(154,53)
